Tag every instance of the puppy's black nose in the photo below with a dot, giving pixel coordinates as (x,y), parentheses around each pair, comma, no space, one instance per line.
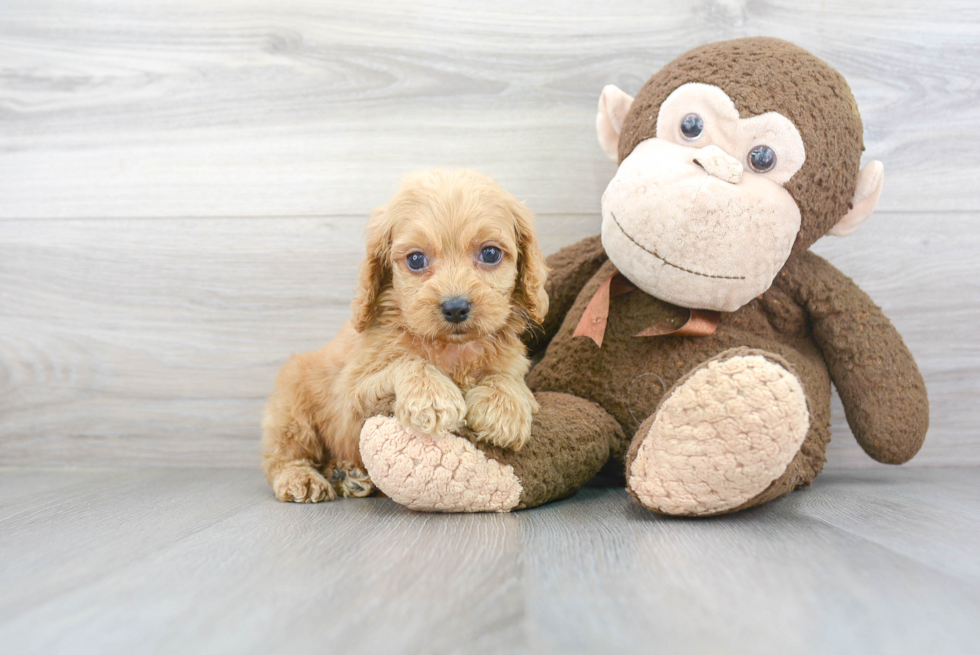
(456,310)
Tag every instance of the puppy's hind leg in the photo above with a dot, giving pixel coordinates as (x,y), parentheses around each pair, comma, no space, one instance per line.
(291,453)
(349,480)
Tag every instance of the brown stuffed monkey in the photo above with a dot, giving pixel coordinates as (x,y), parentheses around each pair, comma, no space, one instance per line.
(695,341)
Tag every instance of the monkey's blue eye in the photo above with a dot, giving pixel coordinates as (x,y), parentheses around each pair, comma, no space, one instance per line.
(416,261)
(491,255)
(692,126)
(762,159)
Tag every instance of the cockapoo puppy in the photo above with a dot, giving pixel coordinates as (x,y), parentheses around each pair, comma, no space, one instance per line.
(453,276)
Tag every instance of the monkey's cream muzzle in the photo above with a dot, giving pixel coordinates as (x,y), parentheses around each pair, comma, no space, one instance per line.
(690,226)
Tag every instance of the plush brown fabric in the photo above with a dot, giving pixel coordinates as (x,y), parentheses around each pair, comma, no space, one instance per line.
(813,317)
(765,74)
(629,375)
(572,441)
(569,269)
(883,393)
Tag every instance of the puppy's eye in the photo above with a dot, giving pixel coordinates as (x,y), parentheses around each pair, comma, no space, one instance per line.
(491,255)
(416,261)
(762,159)
(692,126)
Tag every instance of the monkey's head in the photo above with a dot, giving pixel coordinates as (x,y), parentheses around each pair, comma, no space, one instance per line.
(732,158)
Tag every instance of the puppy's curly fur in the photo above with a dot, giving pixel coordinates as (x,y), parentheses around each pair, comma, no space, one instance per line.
(400,342)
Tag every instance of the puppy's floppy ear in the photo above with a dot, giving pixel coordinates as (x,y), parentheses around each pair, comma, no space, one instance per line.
(375,269)
(531,269)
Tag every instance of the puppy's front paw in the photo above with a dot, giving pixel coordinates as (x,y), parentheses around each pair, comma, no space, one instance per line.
(500,416)
(302,484)
(432,406)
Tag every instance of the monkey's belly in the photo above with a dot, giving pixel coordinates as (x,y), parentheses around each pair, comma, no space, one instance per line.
(628,375)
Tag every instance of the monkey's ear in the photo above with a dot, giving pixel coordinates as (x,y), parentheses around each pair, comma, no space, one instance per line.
(613,107)
(866,195)
(374,269)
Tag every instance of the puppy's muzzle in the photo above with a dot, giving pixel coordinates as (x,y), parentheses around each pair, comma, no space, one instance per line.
(455,310)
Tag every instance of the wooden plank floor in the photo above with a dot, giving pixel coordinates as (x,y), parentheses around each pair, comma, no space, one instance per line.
(187,561)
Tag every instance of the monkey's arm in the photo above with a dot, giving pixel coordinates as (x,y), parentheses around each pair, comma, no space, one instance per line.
(569,269)
(876,377)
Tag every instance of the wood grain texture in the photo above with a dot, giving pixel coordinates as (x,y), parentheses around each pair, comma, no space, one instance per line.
(149,341)
(183,186)
(302,107)
(188,561)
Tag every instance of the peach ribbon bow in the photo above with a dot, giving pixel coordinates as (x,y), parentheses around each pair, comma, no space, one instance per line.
(700,323)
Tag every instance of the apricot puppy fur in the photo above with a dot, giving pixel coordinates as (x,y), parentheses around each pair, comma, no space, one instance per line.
(452,277)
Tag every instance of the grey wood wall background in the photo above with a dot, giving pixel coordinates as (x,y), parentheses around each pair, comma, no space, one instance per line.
(183,186)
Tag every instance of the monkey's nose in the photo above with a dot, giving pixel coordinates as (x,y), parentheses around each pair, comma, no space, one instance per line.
(718,163)
(455,310)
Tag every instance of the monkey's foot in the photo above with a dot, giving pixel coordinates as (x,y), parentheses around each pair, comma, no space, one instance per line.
(435,473)
(350,480)
(720,437)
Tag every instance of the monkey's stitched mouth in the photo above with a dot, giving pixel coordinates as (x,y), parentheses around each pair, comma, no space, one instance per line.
(680,268)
